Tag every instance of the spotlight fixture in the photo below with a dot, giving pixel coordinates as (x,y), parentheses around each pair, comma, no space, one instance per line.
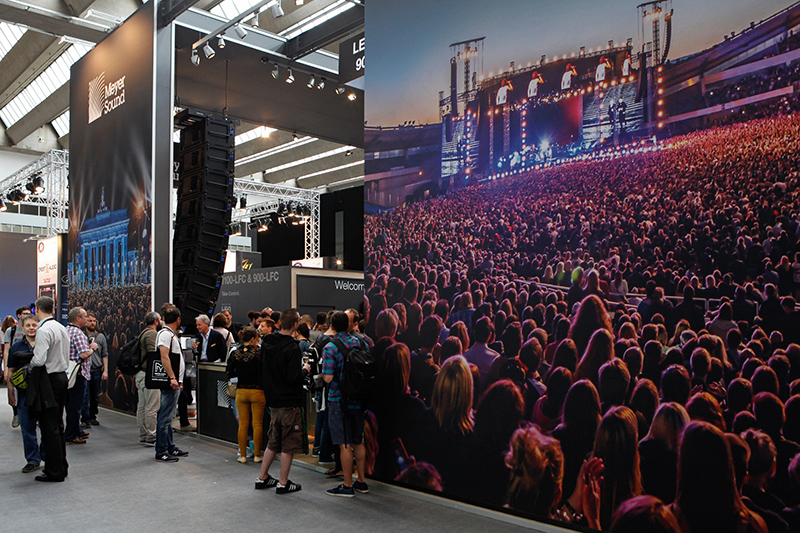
(3,206)
(221,42)
(348,153)
(340,89)
(351,97)
(195,58)
(243,201)
(277,10)
(265,131)
(36,185)
(208,51)
(290,78)
(240,31)
(276,72)
(311,82)
(254,21)
(294,136)
(321,84)
(16,196)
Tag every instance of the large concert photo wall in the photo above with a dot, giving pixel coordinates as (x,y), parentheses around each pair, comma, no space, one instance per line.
(582,259)
(111,105)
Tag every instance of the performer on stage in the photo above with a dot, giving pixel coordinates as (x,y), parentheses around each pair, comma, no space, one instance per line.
(502,92)
(626,65)
(533,85)
(600,73)
(566,79)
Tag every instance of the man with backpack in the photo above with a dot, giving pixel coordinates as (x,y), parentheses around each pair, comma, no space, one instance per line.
(149,399)
(345,413)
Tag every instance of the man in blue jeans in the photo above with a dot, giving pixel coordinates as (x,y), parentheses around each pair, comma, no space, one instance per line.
(99,372)
(167,343)
(19,355)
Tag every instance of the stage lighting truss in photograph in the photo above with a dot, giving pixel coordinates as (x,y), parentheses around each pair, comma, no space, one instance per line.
(265,198)
(43,183)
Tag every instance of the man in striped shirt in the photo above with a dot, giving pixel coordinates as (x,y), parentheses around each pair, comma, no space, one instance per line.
(80,350)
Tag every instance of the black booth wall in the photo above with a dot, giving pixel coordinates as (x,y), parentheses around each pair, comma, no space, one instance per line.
(351,203)
(280,245)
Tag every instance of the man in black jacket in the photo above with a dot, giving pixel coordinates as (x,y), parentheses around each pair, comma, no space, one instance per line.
(283,376)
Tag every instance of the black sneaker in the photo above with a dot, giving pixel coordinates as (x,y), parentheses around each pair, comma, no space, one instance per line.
(94,422)
(341,491)
(360,487)
(166,458)
(30,467)
(177,452)
(285,489)
(266,483)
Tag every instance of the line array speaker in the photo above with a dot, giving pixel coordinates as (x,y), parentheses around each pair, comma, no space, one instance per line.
(205,201)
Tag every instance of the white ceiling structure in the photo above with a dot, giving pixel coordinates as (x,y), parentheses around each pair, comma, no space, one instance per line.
(41,39)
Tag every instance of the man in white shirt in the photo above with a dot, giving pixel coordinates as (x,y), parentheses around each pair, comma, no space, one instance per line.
(52,352)
(167,343)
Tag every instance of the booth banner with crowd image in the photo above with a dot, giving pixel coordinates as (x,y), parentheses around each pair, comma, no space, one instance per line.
(580,264)
(111,169)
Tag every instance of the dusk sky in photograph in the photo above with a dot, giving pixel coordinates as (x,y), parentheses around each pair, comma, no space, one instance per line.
(408,40)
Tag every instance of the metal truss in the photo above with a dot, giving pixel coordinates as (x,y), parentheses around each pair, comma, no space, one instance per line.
(53,167)
(264,198)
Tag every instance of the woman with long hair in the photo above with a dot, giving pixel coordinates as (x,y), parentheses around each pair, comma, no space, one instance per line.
(398,413)
(658,451)
(599,351)
(448,433)
(707,499)
(591,316)
(616,443)
(244,364)
(579,420)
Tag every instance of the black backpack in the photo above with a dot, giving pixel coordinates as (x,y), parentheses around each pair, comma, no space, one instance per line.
(359,379)
(130,357)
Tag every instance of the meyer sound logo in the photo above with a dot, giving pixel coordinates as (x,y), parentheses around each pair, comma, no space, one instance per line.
(105,98)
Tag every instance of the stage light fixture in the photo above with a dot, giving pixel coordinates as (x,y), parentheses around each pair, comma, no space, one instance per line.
(276,72)
(265,131)
(340,89)
(277,10)
(660,124)
(660,102)
(208,51)
(240,31)
(351,97)
(348,153)
(254,20)
(243,201)
(294,136)
(221,42)
(312,81)
(3,206)
(321,84)
(195,58)
(290,78)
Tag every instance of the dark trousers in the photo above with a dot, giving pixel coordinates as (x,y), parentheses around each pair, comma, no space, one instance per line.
(90,409)
(51,423)
(184,399)
(75,398)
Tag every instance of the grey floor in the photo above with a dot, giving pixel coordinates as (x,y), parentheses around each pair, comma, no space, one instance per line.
(115,485)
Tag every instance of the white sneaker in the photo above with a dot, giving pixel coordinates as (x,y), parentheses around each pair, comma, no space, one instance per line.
(15,421)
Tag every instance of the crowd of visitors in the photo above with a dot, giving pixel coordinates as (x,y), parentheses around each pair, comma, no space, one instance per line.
(531,356)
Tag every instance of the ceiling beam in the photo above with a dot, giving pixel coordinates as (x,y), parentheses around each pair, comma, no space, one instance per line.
(50,108)
(52,21)
(328,32)
(27,59)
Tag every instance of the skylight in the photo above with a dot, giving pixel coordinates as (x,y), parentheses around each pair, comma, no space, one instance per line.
(326,13)
(231,8)
(61,123)
(9,35)
(261,131)
(45,84)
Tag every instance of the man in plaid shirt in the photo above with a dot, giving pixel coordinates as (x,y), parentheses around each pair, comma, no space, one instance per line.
(80,350)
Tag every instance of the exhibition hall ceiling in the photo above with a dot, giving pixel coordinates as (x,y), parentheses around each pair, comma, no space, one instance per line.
(288,134)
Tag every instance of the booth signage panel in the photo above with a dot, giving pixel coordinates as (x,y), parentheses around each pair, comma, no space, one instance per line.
(255,289)
(111,183)
(319,293)
(352,58)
